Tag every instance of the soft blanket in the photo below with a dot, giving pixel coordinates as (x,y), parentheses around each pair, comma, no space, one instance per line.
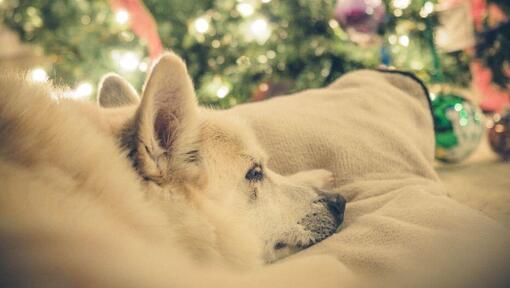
(374,130)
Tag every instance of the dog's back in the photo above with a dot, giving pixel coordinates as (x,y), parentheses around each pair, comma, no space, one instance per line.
(72,213)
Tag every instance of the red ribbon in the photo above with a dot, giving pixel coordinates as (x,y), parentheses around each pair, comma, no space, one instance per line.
(493,98)
(142,23)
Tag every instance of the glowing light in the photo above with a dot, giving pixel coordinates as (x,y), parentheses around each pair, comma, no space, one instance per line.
(128,61)
(259,29)
(333,24)
(222,91)
(458,107)
(82,92)
(215,43)
(262,59)
(416,65)
(401,4)
(122,16)
(499,128)
(85,89)
(427,8)
(38,75)
(245,9)
(266,1)
(404,40)
(218,87)
(392,39)
(201,25)
(143,67)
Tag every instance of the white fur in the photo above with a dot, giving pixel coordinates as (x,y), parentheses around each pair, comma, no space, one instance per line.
(74,212)
(169,125)
(115,92)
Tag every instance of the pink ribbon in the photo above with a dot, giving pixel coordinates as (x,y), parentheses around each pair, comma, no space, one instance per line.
(142,23)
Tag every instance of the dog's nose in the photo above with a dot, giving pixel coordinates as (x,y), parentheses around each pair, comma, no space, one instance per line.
(335,204)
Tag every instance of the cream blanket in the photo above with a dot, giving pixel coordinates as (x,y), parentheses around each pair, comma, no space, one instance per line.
(374,131)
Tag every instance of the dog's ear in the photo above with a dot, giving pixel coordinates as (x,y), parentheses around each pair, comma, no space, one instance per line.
(166,121)
(116,92)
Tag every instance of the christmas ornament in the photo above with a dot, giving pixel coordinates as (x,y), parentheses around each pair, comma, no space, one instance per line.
(455,31)
(361,19)
(499,134)
(458,127)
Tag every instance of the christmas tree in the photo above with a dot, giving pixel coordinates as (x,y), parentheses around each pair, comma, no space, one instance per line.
(236,50)
(494,42)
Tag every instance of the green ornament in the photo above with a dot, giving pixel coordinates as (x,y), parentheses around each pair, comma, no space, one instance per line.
(458,127)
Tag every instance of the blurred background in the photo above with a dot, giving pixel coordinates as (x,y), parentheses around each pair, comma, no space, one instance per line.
(243,50)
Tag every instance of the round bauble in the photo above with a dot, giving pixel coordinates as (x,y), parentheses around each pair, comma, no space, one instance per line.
(361,19)
(499,134)
(458,127)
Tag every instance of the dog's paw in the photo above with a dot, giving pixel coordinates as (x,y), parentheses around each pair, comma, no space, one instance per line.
(318,178)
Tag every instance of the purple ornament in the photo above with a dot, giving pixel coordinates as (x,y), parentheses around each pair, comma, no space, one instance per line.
(361,19)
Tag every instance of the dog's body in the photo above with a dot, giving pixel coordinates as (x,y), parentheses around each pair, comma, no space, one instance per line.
(148,194)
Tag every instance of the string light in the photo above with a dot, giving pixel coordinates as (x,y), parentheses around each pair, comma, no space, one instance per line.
(218,87)
(201,25)
(143,67)
(82,92)
(401,4)
(84,89)
(333,24)
(262,59)
(222,91)
(392,39)
(215,43)
(245,9)
(122,16)
(427,8)
(416,65)
(263,87)
(259,30)
(127,61)
(38,75)
(404,40)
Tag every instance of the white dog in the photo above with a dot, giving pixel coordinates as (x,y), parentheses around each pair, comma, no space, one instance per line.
(149,193)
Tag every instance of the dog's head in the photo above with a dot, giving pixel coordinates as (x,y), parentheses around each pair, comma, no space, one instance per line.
(211,157)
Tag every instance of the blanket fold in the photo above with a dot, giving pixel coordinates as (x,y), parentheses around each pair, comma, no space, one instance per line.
(374,131)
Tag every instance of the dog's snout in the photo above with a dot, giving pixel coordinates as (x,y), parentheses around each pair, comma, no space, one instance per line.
(335,204)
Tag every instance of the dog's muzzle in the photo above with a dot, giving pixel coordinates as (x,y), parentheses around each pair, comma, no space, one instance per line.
(325,222)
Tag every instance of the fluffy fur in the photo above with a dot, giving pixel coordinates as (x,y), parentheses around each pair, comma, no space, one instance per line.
(80,207)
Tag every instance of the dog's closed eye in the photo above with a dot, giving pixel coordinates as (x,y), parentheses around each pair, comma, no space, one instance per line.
(279,245)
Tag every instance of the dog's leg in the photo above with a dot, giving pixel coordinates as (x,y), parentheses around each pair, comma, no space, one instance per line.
(318,178)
